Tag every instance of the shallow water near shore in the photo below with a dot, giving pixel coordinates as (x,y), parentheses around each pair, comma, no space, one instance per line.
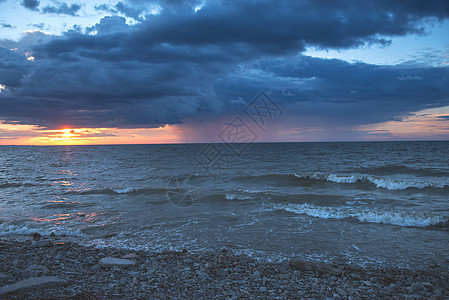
(369,203)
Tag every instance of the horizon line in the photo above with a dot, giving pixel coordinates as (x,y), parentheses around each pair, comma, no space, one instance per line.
(203,143)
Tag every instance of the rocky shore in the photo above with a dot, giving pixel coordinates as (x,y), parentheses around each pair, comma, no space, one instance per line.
(52,267)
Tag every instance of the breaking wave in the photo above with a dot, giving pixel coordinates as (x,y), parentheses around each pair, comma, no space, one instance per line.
(14,228)
(386,182)
(392,184)
(237,197)
(400,218)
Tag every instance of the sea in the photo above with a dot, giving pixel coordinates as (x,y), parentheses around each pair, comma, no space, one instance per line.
(369,203)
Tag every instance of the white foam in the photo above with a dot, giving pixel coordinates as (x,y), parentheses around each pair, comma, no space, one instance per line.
(25,229)
(256,191)
(344,179)
(230,197)
(124,190)
(400,218)
(236,197)
(388,183)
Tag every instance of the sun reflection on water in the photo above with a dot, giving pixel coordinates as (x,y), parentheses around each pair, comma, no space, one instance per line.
(79,217)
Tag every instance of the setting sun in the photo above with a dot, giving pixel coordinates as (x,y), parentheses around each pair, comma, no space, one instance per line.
(67,134)
(19,134)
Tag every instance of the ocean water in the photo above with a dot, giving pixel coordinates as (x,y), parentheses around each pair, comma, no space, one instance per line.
(381,203)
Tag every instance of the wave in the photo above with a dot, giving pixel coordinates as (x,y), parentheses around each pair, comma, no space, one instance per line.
(282,179)
(392,184)
(401,169)
(112,191)
(124,191)
(65,204)
(16,184)
(18,228)
(385,182)
(402,218)
(237,197)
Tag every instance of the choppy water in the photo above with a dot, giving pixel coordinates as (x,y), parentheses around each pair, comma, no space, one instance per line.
(384,202)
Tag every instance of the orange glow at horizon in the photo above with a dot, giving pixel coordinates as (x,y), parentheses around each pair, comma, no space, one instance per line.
(17,134)
(429,124)
(425,124)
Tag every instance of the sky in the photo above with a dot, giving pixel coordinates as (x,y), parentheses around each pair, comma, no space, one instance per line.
(181,71)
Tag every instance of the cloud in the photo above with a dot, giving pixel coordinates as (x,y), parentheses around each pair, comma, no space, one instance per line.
(6,25)
(38,25)
(129,11)
(346,93)
(178,65)
(31,4)
(109,25)
(443,118)
(138,11)
(239,100)
(410,77)
(102,7)
(273,28)
(62,9)
(13,66)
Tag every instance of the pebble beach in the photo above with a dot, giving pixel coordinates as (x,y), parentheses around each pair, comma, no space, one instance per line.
(53,267)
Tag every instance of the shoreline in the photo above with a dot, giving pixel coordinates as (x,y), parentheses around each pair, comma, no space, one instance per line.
(80,272)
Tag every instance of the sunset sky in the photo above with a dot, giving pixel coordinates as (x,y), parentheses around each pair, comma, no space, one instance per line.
(174,71)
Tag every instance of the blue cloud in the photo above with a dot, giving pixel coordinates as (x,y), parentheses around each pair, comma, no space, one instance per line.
(31,4)
(181,64)
(62,9)
(6,25)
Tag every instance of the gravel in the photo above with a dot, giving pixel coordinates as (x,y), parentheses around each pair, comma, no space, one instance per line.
(185,275)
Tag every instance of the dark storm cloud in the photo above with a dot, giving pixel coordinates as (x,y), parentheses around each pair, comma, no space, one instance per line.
(273,27)
(347,93)
(180,64)
(62,9)
(31,4)
(129,11)
(14,67)
(109,25)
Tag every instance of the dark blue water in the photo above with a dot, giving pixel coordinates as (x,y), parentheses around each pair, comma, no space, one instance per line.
(382,203)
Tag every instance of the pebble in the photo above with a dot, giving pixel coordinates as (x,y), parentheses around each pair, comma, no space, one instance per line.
(366,282)
(340,291)
(32,283)
(100,274)
(116,262)
(42,243)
